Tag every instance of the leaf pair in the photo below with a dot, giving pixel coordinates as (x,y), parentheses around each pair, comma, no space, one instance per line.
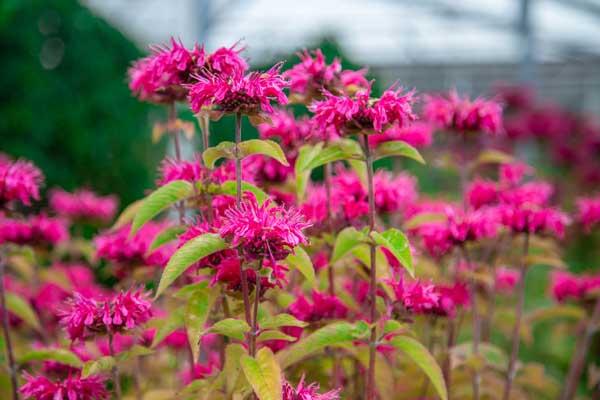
(267,148)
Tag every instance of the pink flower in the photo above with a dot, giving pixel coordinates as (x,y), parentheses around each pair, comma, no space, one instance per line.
(172,170)
(417,134)
(454,113)
(307,392)
(283,126)
(117,246)
(353,81)
(37,230)
(19,180)
(506,279)
(481,193)
(71,388)
(124,311)
(530,193)
(393,193)
(227,61)
(83,204)
(565,286)
(511,174)
(263,231)
(515,96)
(312,74)
(361,113)
(588,212)
(534,219)
(250,94)
(323,306)
(418,297)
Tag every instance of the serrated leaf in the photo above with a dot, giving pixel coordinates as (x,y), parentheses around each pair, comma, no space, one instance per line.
(93,367)
(335,334)
(274,335)
(267,148)
(421,356)
(22,309)
(305,156)
(397,148)
(191,252)
(397,243)
(231,327)
(230,188)
(159,200)
(279,320)
(346,241)
(167,326)
(222,150)
(196,313)
(62,356)
(167,235)
(301,261)
(264,374)
(127,215)
(494,157)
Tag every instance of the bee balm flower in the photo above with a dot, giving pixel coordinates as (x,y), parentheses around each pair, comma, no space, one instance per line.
(307,392)
(19,180)
(70,388)
(83,204)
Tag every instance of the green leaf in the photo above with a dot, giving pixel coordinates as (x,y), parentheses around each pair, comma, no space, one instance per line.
(335,334)
(264,374)
(555,311)
(421,356)
(231,327)
(222,150)
(230,188)
(196,313)
(166,236)
(493,157)
(424,218)
(274,335)
(334,152)
(21,308)
(346,241)
(265,147)
(159,200)
(127,215)
(93,367)
(191,252)
(301,261)
(164,327)
(279,320)
(62,356)
(396,242)
(133,352)
(305,155)
(397,148)
(232,367)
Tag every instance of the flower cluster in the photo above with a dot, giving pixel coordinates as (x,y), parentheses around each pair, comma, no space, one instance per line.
(417,134)
(38,230)
(173,170)
(588,212)
(506,279)
(307,392)
(19,180)
(566,286)
(85,316)
(71,388)
(323,306)
(83,204)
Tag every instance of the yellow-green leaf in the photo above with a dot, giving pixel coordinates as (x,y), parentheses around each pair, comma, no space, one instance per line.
(346,241)
(196,313)
(21,308)
(127,215)
(264,374)
(306,154)
(397,148)
(93,367)
(279,320)
(230,188)
(274,335)
(167,235)
(231,327)
(396,242)
(166,326)
(62,356)
(222,150)
(301,261)
(264,147)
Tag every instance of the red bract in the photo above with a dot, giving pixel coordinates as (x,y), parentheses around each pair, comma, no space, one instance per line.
(72,388)
(588,212)
(250,94)
(38,230)
(263,231)
(85,317)
(19,180)
(307,392)
(83,204)
(361,113)
(453,113)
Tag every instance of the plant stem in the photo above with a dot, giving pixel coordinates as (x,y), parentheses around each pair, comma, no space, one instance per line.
(516,335)
(205,128)
(254,328)
(581,349)
(327,178)
(115,369)
(172,118)
(370,386)
(5,330)
(476,322)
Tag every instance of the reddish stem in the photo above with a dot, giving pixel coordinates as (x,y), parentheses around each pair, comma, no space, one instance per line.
(172,118)
(476,322)
(5,330)
(115,369)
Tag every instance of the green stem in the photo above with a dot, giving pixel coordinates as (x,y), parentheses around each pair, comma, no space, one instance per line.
(115,369)
(476,321)
(5,330)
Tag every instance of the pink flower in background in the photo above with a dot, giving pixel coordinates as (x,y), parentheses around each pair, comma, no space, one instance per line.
(173,170)
(418,297)
(515,96)
(506,279)
(564,286)
(511,174)
(71,388)
(534,220)
(307,392)
(481,193)
(417,134)
(227,61)
(353,81)
(588,212)
(37,230)
(285,127)
(452,297)
(263,231)
(323,306)
(530,193)
(19,180)
(117,246)
(312,73)
(394,193)
(83,204)
(250,94)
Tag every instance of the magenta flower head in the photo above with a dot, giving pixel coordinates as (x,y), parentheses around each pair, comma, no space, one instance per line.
(227,61)
(19,180)
(361,113)
(394,193)
(463,115)
(417,134)
(83,204)
(312,74)
(307,392)
(38,230)
(172,170)
(506,279)
(263,231)
(249,94)
(588,212)
(71,388)
(85,317)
